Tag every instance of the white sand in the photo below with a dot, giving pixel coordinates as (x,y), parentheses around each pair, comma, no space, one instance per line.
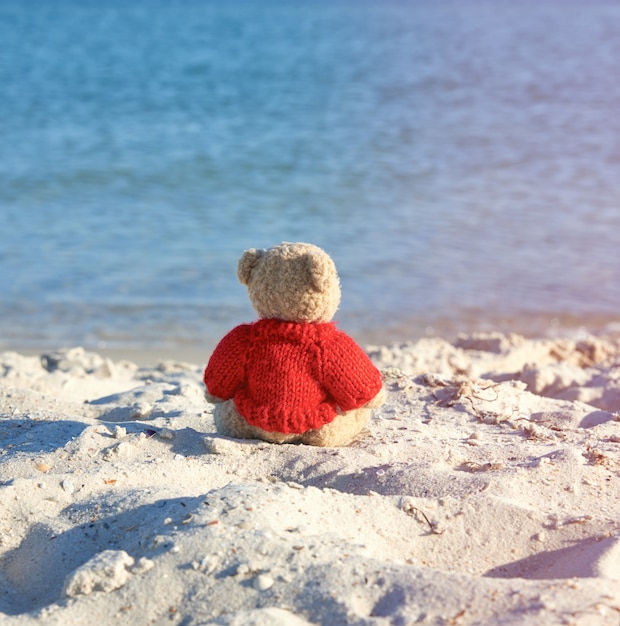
(486,491)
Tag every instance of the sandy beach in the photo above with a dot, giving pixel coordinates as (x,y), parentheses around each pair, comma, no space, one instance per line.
(485,491)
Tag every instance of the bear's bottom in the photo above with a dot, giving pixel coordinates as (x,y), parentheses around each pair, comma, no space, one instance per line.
(338,432)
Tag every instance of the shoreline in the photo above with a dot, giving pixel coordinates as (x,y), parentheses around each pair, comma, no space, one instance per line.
(543,328)
(532,326)
(142,357)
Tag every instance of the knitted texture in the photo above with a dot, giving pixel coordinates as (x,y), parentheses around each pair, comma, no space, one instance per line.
(291,377)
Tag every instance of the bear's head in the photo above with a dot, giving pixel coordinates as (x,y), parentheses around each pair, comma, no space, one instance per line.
(294,282)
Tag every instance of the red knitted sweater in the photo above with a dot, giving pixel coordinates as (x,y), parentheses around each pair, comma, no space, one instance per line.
(289,378)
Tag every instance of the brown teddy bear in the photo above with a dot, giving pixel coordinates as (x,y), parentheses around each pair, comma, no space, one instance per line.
(291,376)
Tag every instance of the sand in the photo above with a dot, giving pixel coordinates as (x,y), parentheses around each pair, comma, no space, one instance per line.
(485,491)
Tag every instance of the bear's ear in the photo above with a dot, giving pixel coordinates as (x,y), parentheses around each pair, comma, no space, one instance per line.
(321,271)
(248,261)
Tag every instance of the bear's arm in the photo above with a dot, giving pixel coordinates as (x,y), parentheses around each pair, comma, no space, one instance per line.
(349,375)
(226,368)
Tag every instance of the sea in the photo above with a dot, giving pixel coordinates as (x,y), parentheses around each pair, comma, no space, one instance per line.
(458,159)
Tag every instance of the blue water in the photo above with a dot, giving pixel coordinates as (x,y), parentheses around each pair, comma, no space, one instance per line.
(459,160)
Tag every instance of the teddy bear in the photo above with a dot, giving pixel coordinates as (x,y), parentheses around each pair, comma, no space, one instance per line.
(291,376)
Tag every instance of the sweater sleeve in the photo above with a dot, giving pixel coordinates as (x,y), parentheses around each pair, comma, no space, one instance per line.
(226,368)
(349,375)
